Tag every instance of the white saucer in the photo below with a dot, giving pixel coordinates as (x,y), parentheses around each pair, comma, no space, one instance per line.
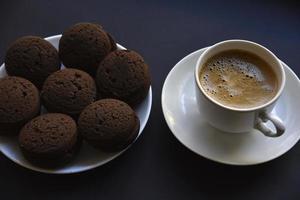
(189,127)
(88,157)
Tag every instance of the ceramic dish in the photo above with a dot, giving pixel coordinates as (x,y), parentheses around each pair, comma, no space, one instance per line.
(88,157)
(190,128)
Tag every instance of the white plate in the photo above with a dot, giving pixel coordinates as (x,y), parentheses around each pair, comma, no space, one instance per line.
(88,157)
(189,127)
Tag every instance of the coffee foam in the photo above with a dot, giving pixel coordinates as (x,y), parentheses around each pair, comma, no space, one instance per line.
(238,79)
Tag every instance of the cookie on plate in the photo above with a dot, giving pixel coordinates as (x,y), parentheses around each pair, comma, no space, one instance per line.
(49,140)
(68,91)
(33,58)
(109,124)
(19,103)
(84,46)
(123,75)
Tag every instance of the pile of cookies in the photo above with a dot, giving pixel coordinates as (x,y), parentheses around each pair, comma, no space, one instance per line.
(91,98)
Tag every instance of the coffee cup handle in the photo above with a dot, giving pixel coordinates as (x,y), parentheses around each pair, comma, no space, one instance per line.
(263,118)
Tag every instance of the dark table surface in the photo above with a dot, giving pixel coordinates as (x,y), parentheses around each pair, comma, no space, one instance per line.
(157,166)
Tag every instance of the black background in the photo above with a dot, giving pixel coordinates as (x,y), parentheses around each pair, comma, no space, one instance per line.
(157,166)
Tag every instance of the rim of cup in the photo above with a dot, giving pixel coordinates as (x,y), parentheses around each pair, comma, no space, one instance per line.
(255,45)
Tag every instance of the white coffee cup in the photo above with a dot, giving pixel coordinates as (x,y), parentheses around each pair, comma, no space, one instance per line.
(236,120)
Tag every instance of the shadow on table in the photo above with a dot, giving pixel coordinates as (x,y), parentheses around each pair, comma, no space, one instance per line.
(213,179)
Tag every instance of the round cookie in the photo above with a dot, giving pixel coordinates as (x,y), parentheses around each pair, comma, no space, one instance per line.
(19,103)
(84,46)
(68,91)
(123,75)
(33,58)
(109,124)
(49,140)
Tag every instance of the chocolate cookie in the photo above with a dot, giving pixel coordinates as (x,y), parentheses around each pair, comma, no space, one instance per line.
(109,124)
(84,46)
(32,58)
(19,103)
(123,75)
(49,140)
(68,91)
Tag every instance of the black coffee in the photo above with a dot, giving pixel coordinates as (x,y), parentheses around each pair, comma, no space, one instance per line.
(238,79)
